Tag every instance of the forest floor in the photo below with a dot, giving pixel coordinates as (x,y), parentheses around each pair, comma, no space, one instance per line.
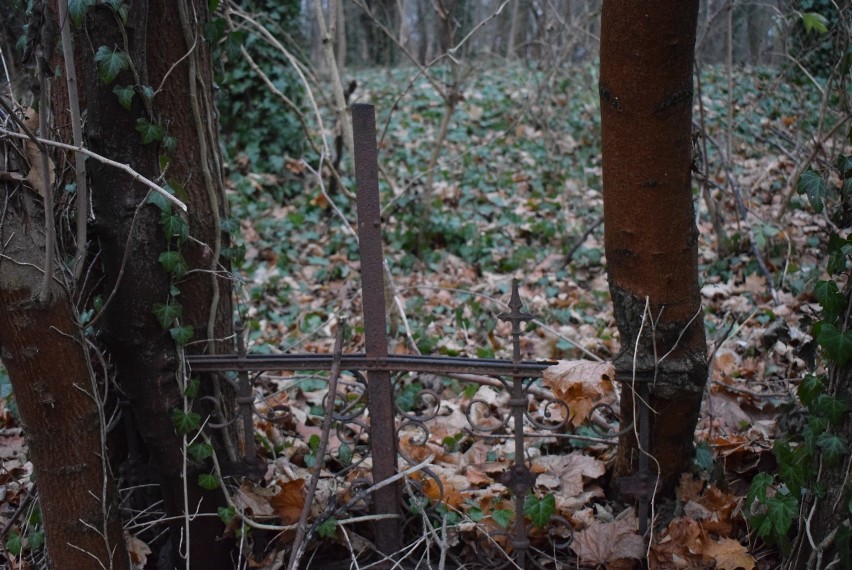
(517,195)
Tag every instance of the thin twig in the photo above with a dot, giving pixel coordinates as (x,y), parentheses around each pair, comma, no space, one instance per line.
(582,239)
(100,158)
(47,189)
(302,537)
(82,189)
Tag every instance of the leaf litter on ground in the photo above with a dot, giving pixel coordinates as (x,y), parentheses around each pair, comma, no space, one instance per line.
(518,194)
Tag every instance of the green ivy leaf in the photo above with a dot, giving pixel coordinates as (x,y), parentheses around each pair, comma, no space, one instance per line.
(830,299)
(182,335)
(838,250)
(763,525)
(185,422)
(757,490)
(502,517)
(782,510)
(77,10)
(815,426)
(831,408)
(229,226)
(175,227)
(809,388)
(540,510)
(833,446)
(328,528)
(208,481)
(215,30)
(169,144)
(837,343)
(200,451)
(344,453)
(15,544)
(160,201)
(125,95)
(314,442)
(35,540)
(111,63)
(236,254)
(794,465)
(150,132)
(226,514)
(815,22)
(167,313)
(192,386)
(812,184)
(174,263)
(147,93)
(703,457)
(234,41)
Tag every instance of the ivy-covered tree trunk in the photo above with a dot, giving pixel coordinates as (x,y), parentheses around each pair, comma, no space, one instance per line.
(825,531)
(651,239)
(149,311)
(47,358)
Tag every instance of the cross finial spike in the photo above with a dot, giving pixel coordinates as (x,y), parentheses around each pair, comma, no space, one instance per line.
(516,316)
(515,302)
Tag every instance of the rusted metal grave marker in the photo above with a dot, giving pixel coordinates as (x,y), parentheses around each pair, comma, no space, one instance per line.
(380,366)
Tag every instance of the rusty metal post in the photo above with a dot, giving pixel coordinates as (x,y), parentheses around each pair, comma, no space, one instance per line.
(519,479)
(245,399)
(383,436)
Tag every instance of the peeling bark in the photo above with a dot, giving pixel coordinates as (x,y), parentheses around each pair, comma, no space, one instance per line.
(651,240)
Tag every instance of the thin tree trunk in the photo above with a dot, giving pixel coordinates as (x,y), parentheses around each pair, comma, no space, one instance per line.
(48,363)
(651,238)
(185,104)
(131,241)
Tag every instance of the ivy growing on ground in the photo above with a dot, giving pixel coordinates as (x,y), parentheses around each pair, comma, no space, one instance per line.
(260,129)
(774,500)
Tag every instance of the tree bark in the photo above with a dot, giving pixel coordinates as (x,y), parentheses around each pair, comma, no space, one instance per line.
(186,105)
(131,240)
(828,521)
(65,431)
(651,239)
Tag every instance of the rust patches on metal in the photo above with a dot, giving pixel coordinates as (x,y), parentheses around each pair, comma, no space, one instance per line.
(383,440)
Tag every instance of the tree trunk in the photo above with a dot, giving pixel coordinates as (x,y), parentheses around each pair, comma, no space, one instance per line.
(186,105)
(828,521)
(651,238)
(148,363)
(48,362)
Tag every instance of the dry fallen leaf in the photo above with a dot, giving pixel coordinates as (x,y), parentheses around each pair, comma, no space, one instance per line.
(571,470)
(680,545)
(137,549)
(289,501)
(606,542)
(253,500)
(729,554)
(581,384)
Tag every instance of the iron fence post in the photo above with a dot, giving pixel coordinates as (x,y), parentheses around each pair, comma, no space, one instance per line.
(519,478)
(383,436)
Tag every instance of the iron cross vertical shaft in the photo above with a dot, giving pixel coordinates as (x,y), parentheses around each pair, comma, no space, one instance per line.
(383,435)
(519,479)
